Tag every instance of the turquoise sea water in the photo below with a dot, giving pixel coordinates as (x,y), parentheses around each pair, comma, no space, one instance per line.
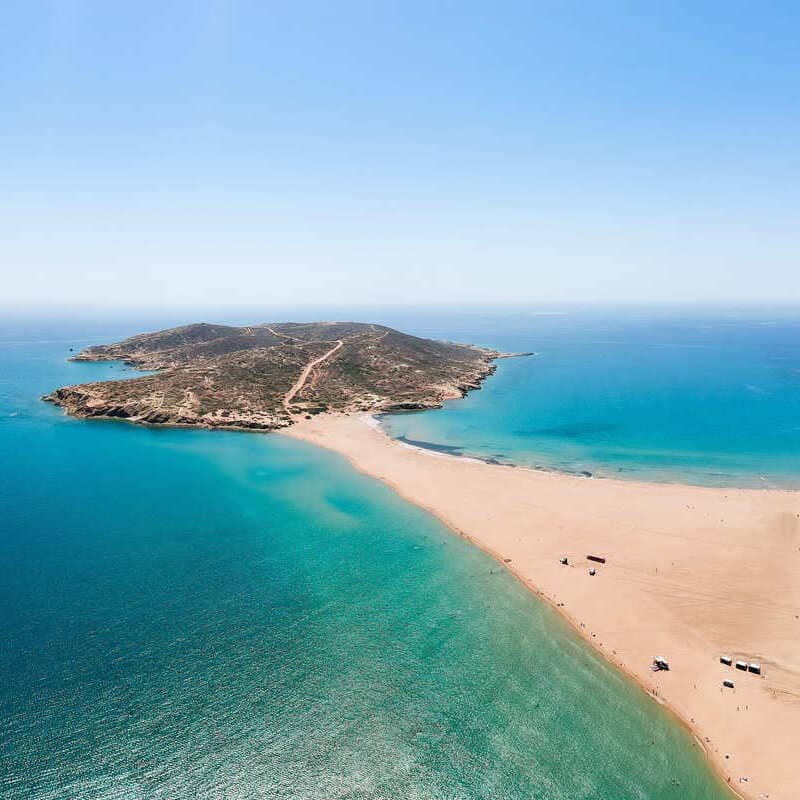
(708,396)
(187,614)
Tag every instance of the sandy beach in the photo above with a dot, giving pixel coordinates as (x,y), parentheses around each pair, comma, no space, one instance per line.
(691,574)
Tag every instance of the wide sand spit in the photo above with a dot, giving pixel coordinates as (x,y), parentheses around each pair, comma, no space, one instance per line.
(690,574)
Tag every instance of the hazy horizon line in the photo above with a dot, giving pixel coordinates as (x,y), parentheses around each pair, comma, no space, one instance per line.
(466,305)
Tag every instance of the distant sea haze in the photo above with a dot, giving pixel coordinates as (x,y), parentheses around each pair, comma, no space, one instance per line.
(187,614)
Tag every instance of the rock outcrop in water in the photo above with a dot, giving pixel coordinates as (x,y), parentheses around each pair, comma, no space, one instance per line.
(262,377)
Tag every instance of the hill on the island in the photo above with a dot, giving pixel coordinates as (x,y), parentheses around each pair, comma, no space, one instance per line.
(266,376)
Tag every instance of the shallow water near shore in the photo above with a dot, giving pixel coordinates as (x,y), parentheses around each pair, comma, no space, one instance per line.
(189,614)
(708,397)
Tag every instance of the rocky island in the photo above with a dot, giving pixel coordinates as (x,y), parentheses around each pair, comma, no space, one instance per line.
(267,376)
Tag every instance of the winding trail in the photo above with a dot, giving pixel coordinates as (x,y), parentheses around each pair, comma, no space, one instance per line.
(283,335)
(301,381)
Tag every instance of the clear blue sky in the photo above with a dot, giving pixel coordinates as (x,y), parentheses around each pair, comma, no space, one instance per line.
(248,152)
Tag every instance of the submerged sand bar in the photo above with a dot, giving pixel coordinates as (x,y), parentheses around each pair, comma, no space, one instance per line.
(691,574)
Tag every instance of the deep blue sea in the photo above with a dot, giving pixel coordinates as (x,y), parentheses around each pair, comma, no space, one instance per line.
(188,614)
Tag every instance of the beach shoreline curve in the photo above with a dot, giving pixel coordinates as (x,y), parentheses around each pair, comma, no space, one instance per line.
(707,598)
